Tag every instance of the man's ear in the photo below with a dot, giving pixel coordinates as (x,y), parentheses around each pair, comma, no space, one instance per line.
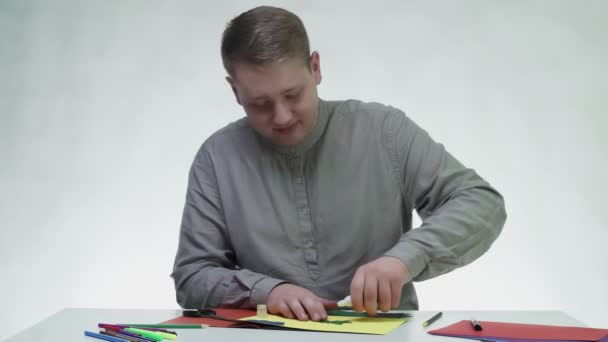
(236,93)
(315,66)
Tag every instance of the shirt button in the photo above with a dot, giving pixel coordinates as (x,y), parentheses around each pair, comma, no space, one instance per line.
(311,256)
(308,244)
(299,180)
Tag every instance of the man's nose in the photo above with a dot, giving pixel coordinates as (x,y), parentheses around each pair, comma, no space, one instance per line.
(282,115)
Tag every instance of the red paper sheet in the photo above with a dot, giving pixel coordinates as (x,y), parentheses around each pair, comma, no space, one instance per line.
(229,313)
(500,330)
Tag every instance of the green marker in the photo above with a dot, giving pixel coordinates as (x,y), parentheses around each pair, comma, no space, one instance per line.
(165,335)
(348,313)
(146,333)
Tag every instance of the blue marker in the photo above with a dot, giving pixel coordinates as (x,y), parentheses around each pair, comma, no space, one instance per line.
(104,337)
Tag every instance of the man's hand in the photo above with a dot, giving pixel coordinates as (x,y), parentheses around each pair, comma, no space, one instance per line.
(378,284)
(297,302)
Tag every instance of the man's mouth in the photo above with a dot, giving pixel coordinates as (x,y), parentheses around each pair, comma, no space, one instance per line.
(286,129)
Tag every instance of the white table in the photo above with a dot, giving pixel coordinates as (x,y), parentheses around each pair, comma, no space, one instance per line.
(69,325)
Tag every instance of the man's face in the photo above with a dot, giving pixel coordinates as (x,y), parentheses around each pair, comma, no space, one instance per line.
(280,98)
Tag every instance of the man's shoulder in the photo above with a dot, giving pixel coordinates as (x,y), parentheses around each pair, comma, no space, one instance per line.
(363,109)
(366,113)
(238,129)
(236,134)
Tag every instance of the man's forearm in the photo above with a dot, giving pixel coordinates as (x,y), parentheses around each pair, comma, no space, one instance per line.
(211,286)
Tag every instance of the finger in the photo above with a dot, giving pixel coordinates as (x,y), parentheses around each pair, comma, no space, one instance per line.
(297,309)
(396,288)
(315,308)
(356,290)
(283,308)
(384,295)
(370,295)
(329,304)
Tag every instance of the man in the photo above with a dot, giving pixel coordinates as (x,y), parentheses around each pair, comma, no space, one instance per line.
(306,201)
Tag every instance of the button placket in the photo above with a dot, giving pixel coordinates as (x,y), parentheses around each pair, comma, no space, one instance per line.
(304,220)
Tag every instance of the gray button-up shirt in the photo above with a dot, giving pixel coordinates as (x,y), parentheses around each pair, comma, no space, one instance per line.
(257,214)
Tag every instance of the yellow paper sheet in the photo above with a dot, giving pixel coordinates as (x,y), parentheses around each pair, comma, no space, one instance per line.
(360,325)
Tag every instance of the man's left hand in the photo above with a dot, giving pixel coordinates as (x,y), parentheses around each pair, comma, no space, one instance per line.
(378,284)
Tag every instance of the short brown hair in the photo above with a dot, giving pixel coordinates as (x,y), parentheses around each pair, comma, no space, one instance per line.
(264,35)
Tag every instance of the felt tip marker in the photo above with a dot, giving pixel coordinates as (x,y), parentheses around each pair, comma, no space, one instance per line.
(476,325)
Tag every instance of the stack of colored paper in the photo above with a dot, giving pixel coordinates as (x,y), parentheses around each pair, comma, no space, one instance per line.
(346,324)
(516,332)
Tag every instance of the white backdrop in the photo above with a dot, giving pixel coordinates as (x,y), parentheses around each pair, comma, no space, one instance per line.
(104,103)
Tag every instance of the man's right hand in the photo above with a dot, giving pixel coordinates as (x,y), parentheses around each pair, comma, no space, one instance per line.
(293,301)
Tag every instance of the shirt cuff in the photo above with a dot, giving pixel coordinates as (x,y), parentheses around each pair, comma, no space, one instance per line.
(261,290)
(411,255)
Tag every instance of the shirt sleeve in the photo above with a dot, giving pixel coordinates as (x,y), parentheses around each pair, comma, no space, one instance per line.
(462,215)
(205,272)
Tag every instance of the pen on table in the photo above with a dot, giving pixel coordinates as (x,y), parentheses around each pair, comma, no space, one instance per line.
(346,312)
(152,327)
(126,336)
(104,337)
(153,335)
(164,335)
(150,334)
(162,326)
(120,329)
(476,325)
(432,319)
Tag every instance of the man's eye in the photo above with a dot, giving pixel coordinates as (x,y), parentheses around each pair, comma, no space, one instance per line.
(261,105)
(292,96)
